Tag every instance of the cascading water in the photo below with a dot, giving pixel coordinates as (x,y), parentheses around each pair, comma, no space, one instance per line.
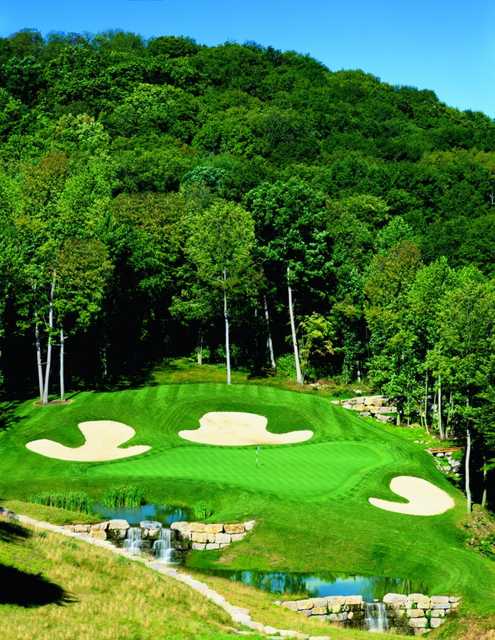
(133,542)
(375,616)
(162,548)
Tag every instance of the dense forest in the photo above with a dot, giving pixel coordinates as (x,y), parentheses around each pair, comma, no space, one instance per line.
(163,198)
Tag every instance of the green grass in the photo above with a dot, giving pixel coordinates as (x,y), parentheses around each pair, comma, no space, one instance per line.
(310,499)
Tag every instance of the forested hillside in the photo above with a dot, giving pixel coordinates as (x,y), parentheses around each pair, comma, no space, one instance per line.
(155,193)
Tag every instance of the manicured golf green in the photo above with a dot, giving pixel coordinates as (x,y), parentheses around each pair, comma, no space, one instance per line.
(310,499)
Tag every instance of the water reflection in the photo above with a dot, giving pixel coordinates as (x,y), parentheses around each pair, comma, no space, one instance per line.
(324,584)
(166,514)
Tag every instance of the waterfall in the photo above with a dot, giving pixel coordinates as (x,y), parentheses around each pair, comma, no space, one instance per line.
(375,616)
(162,548)
(132,543)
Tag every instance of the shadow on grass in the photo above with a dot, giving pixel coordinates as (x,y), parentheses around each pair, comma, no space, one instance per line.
(29,590)
(10,532)
(8,416)
(137,379)
(20,587)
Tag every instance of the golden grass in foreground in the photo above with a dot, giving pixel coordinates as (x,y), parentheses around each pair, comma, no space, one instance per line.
(114,598)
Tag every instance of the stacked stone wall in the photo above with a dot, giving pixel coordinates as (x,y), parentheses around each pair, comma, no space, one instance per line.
(341,610)
(445,459)
(377,407)
(417,612)
(185,535)
(413,614)
(200,536)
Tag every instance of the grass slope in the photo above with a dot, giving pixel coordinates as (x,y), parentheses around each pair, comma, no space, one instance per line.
(310,499)
(53,588)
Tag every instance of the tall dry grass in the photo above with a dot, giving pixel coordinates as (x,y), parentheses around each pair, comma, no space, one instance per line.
(110,597)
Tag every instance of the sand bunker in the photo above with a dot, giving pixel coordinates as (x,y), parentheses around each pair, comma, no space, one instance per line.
(231,428)
(103,440)
(425,499)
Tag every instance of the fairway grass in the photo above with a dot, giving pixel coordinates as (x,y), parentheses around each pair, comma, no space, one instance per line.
(310,500)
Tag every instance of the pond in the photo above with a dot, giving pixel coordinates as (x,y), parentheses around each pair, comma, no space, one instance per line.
(163,513)
(320,585)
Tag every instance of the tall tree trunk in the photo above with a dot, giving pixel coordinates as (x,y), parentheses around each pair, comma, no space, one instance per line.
(226,317)
(484,497)
(467,469)
(199,352)
(49,344)
(448,421)
(269,341)
(39,364)
(440,423)
(62,364)
(104,361)
(299,377)
(426,402)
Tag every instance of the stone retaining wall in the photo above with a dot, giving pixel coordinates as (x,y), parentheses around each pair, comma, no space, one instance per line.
(109,529)
(371,406)
(185,535)
(204,537)
(413,614)
(444,459)
(346,610)
(419,612)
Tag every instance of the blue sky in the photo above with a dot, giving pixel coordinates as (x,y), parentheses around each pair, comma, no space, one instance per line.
(444,45)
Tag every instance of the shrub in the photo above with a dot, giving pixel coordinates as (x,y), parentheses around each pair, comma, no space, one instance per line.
(125,496)
(202,510)
(480,526)
(205,354)
(286,365)
(70,500)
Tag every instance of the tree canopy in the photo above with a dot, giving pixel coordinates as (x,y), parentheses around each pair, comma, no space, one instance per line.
(142,181)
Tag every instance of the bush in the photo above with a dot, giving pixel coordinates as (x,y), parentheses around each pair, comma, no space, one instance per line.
(219,354)
(70,500)
(125,496)
(202,510)
(480,527)
(205,354)
(286,365)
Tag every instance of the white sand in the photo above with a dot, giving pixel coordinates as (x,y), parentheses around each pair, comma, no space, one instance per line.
(103,440)
(425,499)
(232,428)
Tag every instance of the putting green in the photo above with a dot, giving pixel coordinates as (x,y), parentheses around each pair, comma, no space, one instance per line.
(322,470)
